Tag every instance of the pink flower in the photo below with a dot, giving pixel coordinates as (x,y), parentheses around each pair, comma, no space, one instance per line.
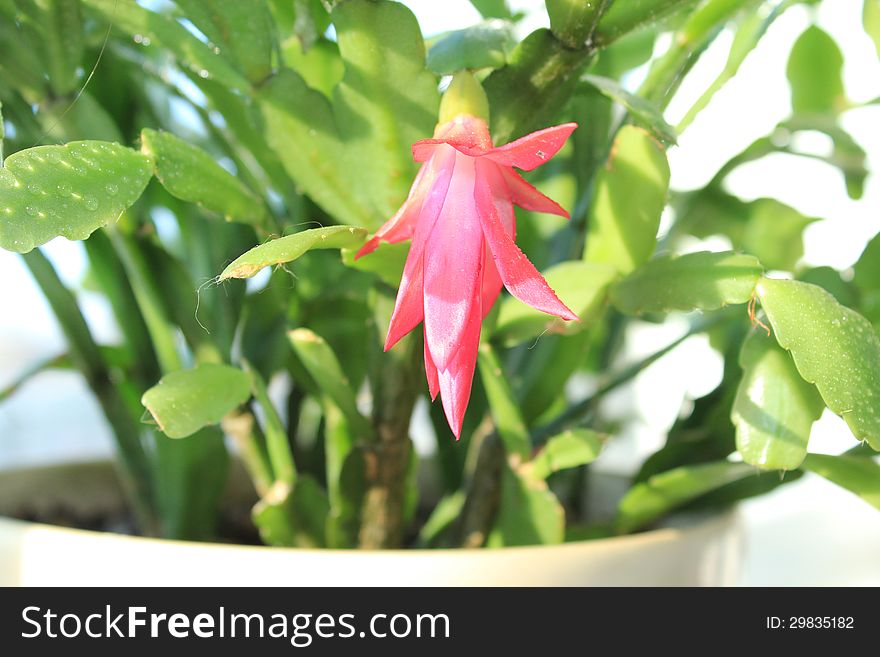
(459,215)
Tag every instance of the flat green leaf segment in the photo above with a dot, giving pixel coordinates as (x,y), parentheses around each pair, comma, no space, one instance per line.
(529,513)
(241,31)
(293,516)
(287,249)
(628,201)
(192,53)
(871,21)
(775,408)
(352,154)
(649,501)
(502,403)
(69,190)
(190,174)
(705,281)
(570,449)
(833,347)
(642,111)
(815,73)
(580,285)
(858,474)
(485,45)
(185,401)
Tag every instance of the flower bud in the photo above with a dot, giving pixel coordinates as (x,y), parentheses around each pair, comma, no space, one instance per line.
(464,95)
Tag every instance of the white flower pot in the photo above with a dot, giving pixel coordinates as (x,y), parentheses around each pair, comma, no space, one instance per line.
(706,553)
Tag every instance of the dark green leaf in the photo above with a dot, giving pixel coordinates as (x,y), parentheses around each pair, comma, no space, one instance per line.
(69,190)
(664,492)
(387,261)
(642,111)
(570,449)
(774,408)
(833,347)
(185,401)
(293,516)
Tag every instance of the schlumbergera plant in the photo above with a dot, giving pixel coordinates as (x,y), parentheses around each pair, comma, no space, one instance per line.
(195,143)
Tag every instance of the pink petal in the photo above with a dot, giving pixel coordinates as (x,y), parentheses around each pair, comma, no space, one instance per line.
(408,308)
(518,274)
(431,373)
(465,134)
(528,197)
(492,283)
(532,150)
(456,381)
(452,266)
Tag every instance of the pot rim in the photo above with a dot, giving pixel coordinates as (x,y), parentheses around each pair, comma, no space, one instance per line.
(697,523)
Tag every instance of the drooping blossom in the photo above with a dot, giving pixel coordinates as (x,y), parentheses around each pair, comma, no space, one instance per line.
(459,215)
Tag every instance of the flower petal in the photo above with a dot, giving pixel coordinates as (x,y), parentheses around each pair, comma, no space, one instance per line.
(456,381)
(532,150)
(408,308)
(528,197)
(431,373)
(466,134)
(518,274)
(452,266)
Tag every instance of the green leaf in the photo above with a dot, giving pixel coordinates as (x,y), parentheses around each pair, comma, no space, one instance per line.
(190,174)
(529,513)
(774,233)
(502,404)
(286,249)
(293,516)
(775,408)
(858,474)
(527,94)
(69,190)
(867,280)
(833,347)
(644,112)
(570,449)
(386,101)
(573,21)
(871,21)
(2,133)
(187,400)
(703,280)
(629,198)
(192,53)
(323,366)
(623,17)
(242,31)
(320,66)
(492,8)
(386,262)
(352,156)
(485,45)
(580,285)
(814,72)
(828,278)
(750,28)
(664,492)
(445,513)
(63,40)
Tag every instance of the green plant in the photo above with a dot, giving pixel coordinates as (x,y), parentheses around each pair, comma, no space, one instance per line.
(274,145)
